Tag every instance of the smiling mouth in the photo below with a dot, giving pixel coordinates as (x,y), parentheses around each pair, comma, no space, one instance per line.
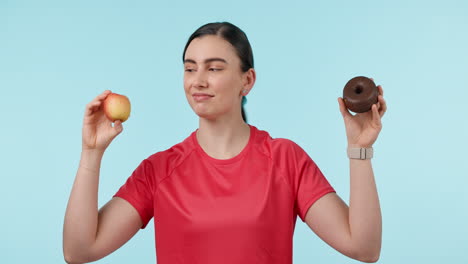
(201,97)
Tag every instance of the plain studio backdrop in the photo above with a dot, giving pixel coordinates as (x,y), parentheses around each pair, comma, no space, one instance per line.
(56,56)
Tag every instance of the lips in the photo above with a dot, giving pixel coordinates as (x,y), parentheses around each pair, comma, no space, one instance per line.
(201,96)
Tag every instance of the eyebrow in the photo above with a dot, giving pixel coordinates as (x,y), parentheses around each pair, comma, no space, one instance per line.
(206,61)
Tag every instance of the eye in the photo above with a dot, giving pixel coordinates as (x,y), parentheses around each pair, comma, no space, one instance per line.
(214,69)
(189,70)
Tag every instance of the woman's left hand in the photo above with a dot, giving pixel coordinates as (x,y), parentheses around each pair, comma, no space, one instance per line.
(362,129)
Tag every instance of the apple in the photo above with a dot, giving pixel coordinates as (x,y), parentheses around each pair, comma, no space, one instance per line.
(117,107)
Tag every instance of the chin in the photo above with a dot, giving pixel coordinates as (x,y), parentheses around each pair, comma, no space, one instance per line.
(208,112)
(202,111)
(206,115)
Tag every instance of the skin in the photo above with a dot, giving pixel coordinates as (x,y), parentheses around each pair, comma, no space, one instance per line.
(222,132)
(354,230)
(212,67)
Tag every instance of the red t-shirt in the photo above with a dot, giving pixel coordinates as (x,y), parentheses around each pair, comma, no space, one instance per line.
(239,210)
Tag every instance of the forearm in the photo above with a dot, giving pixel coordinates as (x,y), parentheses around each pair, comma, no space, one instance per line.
(81,217)
(365,218)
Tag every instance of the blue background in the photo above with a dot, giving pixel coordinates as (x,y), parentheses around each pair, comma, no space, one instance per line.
(56,56)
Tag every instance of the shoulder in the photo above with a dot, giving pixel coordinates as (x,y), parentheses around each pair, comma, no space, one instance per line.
(273,145)
(165,161)
(280,150)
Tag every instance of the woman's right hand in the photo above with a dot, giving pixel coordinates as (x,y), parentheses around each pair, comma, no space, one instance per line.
(98,131)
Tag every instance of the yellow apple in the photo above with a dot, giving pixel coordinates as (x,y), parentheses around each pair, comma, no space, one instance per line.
(117,107)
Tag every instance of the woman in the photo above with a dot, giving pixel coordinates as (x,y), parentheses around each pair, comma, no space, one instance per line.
(229,193)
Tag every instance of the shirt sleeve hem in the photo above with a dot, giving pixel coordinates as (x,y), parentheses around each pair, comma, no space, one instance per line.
(308,204)
(144,218)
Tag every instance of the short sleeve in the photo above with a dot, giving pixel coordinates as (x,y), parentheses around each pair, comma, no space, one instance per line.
(310,183)
(137,190)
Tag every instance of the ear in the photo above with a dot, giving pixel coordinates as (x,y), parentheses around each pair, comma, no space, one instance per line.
(249,78)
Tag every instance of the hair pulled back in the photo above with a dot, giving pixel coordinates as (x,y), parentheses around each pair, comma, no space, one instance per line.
(236,37)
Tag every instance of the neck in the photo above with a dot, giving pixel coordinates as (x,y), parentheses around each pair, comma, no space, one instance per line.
(223,139)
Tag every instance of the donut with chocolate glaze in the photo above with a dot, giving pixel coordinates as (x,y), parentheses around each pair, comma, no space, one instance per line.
(359,94)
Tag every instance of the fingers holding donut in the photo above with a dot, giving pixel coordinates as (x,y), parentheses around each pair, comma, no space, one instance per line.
(376,117)
(382,104)
(380,89)
(343,109)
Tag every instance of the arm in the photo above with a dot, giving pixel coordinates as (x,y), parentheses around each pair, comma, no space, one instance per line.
(89,234)
(355,231)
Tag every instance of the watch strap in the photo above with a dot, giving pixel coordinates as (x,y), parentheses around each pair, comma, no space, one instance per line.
(360,153)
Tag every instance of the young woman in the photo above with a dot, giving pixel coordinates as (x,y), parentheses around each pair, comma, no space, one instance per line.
(228,193)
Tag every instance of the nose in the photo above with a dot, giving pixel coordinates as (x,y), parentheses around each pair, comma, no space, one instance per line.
(200,79)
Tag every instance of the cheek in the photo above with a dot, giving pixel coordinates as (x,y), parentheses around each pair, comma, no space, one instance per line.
(187,90)
(229,83)
(186,84)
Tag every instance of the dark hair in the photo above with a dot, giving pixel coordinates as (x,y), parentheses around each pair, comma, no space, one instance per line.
(236,37)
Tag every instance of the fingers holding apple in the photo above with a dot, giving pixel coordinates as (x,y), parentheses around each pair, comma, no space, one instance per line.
(117,107)
(95,105)
(101,112)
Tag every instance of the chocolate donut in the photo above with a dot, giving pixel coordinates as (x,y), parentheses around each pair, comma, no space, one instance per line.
(359,94)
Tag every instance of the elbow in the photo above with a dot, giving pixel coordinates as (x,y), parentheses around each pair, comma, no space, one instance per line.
(70,261)
(368,250)
(368,256)
(68,257)
(71,257)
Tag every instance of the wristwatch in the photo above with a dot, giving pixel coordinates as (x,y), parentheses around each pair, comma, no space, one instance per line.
(360,153)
